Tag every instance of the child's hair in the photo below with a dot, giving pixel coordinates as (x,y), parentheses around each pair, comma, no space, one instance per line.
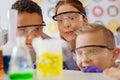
(27,6)
(92,28)
(118,29)
(75,3)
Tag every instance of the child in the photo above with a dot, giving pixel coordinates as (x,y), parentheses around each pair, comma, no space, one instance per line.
(30,22)
(95,48)
(68,15)
(114,72)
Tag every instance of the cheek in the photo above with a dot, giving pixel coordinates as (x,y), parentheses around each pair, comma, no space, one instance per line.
(36,35)
(40,33)
(31,36)
(78,61)
(102,61)
(19,34)
(77,25)
(60,28)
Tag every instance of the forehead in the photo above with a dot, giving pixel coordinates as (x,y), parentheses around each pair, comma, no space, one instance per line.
(94,38)
(29,19)
(66,8)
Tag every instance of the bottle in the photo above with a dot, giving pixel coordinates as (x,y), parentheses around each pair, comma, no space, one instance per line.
(20,67)
(1,63)
(1,55)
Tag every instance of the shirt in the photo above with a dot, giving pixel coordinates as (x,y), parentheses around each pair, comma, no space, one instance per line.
(69,62)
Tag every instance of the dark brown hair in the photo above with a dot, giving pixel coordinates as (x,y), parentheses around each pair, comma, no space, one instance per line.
(27,6)
(75,3)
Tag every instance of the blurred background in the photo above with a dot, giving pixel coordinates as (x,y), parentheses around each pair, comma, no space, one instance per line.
(106,12)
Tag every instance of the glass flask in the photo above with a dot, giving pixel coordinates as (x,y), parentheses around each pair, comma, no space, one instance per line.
(20,67)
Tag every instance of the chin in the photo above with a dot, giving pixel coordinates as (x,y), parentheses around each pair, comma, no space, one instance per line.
(30,48)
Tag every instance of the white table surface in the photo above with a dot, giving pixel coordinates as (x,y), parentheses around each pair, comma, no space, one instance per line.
(78,75)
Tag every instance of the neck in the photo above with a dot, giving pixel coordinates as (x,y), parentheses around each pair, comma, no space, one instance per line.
(72,44)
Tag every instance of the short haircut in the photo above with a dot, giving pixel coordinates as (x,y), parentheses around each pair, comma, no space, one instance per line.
(27,6)
(92,28)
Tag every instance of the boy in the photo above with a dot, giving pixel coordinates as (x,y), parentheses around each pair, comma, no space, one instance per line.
(114,72)
(95,48)
(30,22)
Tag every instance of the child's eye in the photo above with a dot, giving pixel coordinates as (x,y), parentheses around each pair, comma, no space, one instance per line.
(94,51)
(71,18)
(38,29)
(23,30)
(79,53)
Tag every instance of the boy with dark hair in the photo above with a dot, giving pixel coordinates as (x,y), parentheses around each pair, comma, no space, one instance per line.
(30,22)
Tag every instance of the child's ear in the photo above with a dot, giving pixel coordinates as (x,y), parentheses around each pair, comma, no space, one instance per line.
(116,53)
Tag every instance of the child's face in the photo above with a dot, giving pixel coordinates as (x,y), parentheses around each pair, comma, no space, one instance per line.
(26,21)
(93,56)
(68,22)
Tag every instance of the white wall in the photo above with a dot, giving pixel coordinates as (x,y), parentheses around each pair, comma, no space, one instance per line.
(4,7)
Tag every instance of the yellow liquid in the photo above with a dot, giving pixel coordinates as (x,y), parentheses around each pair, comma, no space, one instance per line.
(49,64)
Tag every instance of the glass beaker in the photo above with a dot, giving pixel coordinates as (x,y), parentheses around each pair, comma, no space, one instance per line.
(48,57)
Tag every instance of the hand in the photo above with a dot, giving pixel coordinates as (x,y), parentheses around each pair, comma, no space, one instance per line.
(112,72)
(92,69)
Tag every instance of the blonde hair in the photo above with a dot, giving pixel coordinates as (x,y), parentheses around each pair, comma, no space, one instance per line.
(92,28)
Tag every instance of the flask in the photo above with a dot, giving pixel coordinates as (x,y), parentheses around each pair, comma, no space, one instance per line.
(8,47)
(20,67)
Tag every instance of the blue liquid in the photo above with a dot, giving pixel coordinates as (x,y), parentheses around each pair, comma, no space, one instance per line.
(6,60)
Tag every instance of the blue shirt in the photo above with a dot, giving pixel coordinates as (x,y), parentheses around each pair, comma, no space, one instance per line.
(69,62)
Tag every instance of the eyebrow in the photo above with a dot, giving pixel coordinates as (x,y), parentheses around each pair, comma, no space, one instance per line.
(31,25)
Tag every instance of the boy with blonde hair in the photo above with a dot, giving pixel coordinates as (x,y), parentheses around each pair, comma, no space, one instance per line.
(95,48)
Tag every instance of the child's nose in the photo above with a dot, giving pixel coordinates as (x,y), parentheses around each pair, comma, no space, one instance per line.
(66,23)
(30,37)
